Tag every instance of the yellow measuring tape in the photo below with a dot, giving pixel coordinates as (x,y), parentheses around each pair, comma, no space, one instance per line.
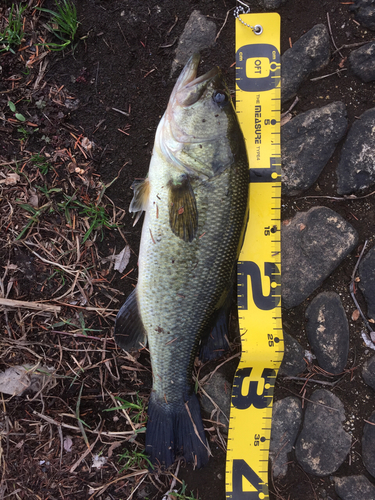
(258,272)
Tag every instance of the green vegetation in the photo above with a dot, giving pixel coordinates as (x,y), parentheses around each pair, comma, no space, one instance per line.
(182,495)
(137,410)
(63,25)
(35,214)
(19,116)
(13,34)
(134,459)
(41,163)
(95,214)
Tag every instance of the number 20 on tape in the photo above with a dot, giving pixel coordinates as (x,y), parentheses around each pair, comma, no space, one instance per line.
(258,271)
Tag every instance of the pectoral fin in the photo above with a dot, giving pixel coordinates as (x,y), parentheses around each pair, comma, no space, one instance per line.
(183,215)
(129,330)
(140,198)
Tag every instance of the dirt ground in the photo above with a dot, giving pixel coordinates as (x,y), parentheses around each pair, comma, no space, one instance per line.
(123,60)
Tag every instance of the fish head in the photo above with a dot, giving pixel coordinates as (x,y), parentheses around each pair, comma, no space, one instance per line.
(199,131)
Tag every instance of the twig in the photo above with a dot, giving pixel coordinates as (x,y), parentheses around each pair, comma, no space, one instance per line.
(322,382)
(196,430)
(352,293)
(311,401)
(74,428)
(82,457)
(333,40)
(36,306)
(225,22)
(121,478)
(350,45)
(290,108)
(64,268)
(337,72)
(122,112)
(173,483)
(349,197)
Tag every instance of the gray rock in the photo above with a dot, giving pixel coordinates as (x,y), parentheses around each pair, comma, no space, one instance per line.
(293,362)
(286,421)
(368,445)
(219,390)
(307,143)
(310,53)
(367,284)
(365,12)
(199,33)
(272,4)
(313,244)
(368,372)
(328,331)
(362,62)
(323,445)
(356,168)
(354,488)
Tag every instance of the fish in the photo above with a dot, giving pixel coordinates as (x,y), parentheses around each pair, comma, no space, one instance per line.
(195,203)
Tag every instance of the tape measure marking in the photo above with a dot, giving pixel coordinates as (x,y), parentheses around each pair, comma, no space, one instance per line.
(259,280)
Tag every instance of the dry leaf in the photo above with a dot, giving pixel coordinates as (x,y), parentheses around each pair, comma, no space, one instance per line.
(71,166)
(87,144)
(98,461)
(68,443)
(302,227)
(33,198)
(11,179)
(355,315)
(17,379)
(122,259)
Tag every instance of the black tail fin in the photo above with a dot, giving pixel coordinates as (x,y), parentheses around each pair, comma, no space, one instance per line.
(175,430)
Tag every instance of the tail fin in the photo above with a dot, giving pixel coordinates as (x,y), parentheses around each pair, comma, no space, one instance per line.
(175,430)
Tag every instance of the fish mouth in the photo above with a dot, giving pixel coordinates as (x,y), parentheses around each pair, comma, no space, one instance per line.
(189,88)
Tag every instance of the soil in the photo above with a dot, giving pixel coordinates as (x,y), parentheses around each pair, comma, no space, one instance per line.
(123,61)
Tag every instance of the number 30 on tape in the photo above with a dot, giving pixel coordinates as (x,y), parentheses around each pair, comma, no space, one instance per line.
(258,271)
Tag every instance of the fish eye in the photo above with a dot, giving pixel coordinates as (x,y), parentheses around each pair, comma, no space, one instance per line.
(220,97)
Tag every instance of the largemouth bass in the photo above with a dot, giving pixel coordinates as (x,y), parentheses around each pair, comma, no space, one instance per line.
(195,199)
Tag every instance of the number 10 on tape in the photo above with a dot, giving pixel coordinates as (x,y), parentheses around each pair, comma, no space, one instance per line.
(258,271)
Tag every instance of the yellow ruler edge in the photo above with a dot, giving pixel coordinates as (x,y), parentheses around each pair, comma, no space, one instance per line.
(258,106)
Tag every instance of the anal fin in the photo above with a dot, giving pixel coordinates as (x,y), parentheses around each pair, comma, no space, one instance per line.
(129,330)
(215,343)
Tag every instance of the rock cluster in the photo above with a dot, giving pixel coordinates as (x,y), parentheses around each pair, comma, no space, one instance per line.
(314,244)
(307,143)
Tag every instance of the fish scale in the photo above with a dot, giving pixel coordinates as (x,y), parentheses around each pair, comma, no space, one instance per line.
(194,277)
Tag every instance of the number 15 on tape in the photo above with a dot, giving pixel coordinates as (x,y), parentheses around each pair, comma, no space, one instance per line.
(258,271)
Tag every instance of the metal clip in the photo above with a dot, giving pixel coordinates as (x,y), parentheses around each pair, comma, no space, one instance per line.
(257,29)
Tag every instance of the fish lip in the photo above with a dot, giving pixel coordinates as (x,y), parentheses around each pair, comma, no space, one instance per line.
(183,89)
(188,77)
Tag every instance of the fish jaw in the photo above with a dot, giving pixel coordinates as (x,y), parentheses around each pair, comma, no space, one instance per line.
(191,97)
